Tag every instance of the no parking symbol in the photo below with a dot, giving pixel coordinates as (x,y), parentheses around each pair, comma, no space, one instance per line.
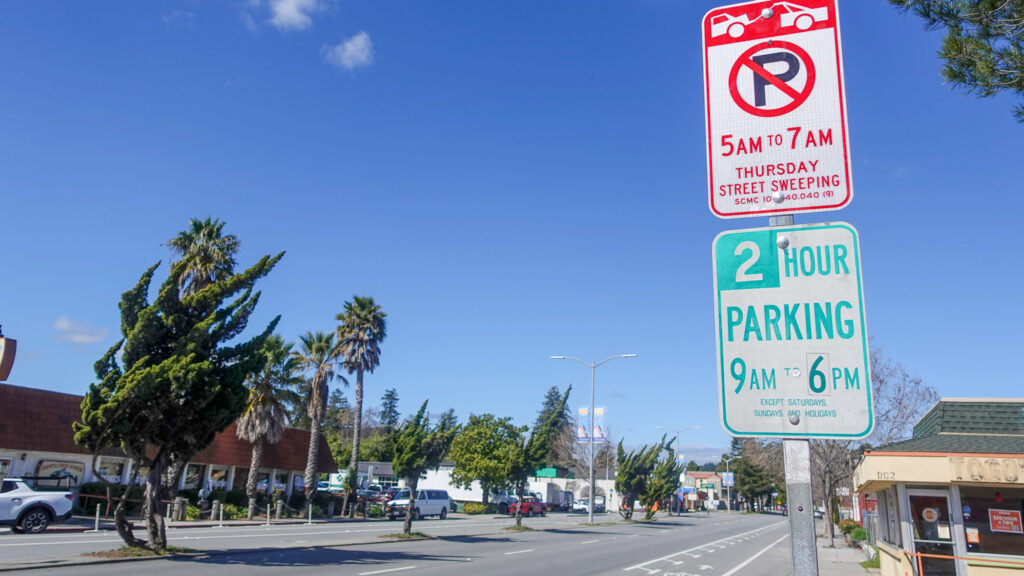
(774,99)
(756,61)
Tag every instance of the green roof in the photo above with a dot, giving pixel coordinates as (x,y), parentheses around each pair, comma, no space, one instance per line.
(968,427)
(961,444)
(972,417)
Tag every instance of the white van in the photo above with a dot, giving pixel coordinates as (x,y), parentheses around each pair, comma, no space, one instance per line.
(428,503)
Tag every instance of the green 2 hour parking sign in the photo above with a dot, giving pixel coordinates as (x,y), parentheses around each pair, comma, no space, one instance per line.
(791,333)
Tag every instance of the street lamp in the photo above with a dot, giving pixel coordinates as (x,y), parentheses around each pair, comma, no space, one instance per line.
(593,368)
(728,501)
(678,432)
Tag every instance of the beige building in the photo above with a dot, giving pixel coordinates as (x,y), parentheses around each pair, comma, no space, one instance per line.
(951,499)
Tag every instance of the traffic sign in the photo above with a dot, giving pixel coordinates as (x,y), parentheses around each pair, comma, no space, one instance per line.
(775,109)
(791,332)
(707,486)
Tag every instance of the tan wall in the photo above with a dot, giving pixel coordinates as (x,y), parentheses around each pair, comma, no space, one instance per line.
(891,560)
(876,471)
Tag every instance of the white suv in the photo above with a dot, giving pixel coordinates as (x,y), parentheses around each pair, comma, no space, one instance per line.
(27,506)
(428,503)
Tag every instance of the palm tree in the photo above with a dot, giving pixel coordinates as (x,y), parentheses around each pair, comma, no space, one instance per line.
(318,354)
(362,330)
(209,255)
(263,420)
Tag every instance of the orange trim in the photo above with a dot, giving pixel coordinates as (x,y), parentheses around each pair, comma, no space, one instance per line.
(921,555)
(967,454)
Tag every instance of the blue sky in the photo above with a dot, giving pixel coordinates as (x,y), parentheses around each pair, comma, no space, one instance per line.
(510,180)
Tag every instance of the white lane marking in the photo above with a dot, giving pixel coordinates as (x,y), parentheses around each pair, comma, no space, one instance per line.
(388,570)
(751,559)
(702,546)
(589,541)
(518,552)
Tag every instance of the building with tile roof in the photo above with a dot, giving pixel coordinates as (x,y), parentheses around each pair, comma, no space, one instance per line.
(954,492)
(36,439)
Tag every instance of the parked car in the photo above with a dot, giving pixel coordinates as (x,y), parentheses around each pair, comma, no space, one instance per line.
(29,505)
(580,505)
(502,499)
(530,504)
(385,495)
(427,503)
(599,504)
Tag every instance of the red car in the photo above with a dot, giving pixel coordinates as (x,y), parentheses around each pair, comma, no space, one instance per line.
(530,506)
(386,494)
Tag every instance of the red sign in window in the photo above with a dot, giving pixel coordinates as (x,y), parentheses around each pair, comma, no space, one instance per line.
(1005,521)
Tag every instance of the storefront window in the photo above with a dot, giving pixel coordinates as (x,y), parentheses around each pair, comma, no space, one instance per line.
(111,468)
(263,482)
(992,519)
(194,474)
(888,516)
(5,465)
(219,478)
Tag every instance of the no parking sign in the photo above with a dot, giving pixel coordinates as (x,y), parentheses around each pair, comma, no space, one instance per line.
(775,105)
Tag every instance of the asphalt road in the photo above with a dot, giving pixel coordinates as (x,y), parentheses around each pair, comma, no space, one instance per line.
(717,545)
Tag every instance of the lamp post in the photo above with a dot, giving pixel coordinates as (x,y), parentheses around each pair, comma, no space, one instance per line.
(593,367)
(728,501)
(678,432)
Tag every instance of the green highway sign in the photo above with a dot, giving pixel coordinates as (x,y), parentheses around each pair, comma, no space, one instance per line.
(791,333)
(707,486)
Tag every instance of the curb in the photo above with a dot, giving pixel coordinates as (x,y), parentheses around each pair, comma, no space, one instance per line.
(90,561)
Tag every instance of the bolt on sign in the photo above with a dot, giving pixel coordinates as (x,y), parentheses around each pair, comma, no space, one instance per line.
(776,111)
(791,333)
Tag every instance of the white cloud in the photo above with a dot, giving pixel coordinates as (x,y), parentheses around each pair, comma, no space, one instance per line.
(700,453)
(78,333)
(293,14)
(356,52)
(249,21)
(178,15)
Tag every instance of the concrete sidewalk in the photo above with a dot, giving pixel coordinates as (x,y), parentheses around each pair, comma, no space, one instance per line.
(841,560)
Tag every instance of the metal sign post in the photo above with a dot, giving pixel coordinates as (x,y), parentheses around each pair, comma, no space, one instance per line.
(803,545)
(799,506)
(791,333)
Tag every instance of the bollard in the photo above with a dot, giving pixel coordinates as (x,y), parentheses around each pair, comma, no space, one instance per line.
(221,516)
(268,515)
(97,527)
(280,510)
(310,507)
